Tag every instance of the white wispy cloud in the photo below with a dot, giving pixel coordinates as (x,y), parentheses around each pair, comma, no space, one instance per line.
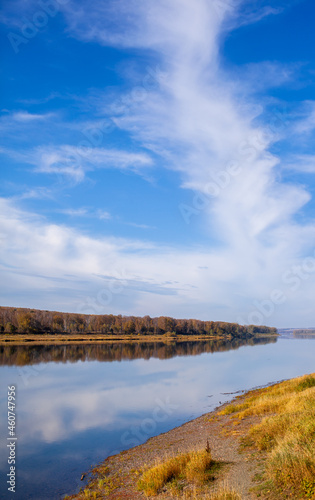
(86,212)
(74,212)
(117,22)
(140,226)
(27,193)
(25,127)
(306,124)
(255,15)
(75,161)
(25,116)
(102,215)
(259,77)
(302,163)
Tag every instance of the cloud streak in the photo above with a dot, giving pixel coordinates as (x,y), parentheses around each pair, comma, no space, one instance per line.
(25,117)
(76,161)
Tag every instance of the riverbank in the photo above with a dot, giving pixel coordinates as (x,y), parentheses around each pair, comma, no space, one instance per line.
(261,445)
(41,339)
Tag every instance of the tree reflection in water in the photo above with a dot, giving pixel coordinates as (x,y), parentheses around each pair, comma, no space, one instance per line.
(22,355)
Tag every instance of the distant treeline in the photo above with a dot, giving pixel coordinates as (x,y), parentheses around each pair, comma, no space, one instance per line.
(304,331)
(33,321)
(23,355)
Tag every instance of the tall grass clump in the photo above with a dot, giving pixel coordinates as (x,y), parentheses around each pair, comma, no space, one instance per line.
(224,493)
(193,467)
(286,433)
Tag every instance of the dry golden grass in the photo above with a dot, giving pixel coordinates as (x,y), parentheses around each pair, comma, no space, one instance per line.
(224,493)
(193,467)
(286,433)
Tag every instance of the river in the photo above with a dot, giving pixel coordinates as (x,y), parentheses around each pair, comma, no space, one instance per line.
(78,404)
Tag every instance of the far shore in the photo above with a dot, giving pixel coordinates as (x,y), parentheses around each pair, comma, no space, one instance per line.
(20,338)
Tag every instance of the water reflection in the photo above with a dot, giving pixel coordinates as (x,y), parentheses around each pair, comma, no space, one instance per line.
(304,334)
(28,355)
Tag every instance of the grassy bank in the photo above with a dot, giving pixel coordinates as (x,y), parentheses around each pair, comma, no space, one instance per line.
(261,445)
(88,338)
(286,434)
(19,339)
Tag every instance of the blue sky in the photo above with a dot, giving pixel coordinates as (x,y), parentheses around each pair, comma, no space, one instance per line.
(158,158)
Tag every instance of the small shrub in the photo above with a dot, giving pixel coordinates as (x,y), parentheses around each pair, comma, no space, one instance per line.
(233,408)
(306,384)
(193,466)
(198,467)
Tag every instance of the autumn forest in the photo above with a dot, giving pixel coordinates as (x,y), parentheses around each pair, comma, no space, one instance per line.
(33,321)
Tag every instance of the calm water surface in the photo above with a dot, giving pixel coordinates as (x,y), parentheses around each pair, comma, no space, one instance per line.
(78,404)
